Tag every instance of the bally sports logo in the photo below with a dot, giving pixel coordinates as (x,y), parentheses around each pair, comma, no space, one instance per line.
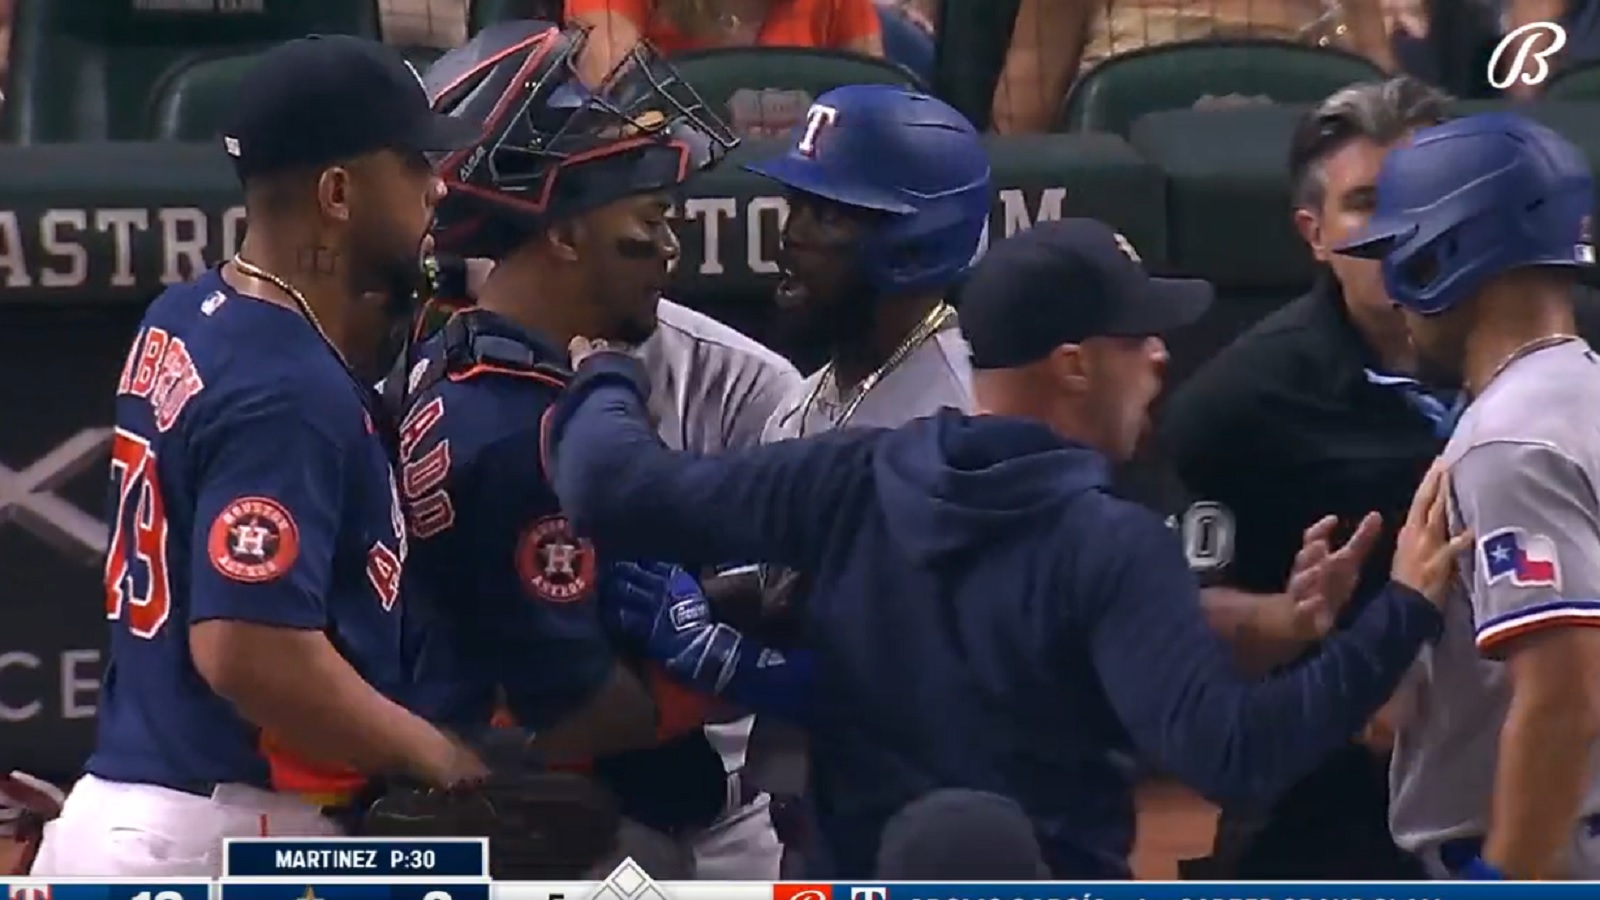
(1531,45)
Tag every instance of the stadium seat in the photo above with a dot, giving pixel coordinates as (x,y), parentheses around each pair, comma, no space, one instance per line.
(1177,76)
(86,69)
(1581,83)
(190,103)
(483,13)
(765,90)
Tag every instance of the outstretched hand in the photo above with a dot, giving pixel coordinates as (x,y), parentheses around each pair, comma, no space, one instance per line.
(1323,579)
(1425,554)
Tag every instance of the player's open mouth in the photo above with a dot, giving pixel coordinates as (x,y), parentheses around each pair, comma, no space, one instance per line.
(791,292)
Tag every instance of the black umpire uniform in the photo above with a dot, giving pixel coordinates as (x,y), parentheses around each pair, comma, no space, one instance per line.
(1288,424)
(1291,422)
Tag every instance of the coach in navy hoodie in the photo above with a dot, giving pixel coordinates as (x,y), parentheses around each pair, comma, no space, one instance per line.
(985,614)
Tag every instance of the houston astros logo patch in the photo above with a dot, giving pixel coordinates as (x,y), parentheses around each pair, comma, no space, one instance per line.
(253,539)
(553,563)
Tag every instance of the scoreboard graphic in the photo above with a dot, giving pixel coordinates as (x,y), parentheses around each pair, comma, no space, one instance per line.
(457,869)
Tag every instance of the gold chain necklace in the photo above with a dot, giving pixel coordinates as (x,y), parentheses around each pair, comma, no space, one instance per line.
(928,327)
(1533,346)
(255,271)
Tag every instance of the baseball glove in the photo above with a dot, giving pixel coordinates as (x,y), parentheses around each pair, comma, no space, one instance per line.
(541,825)
(26,804)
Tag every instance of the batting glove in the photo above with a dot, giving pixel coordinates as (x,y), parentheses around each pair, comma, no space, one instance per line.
(663,609)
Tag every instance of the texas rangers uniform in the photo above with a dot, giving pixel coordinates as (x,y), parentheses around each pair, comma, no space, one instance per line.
(712,388)
(937,374)
(1524,462)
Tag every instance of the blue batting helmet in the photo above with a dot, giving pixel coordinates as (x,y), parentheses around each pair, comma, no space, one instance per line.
(1472,198)
(907,155)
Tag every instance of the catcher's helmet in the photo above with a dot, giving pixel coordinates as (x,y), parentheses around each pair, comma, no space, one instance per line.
(907,155)
(552,148)
(1472,198)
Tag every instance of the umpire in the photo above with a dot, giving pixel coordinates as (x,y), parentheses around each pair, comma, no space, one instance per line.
(985,614)
(1313,411)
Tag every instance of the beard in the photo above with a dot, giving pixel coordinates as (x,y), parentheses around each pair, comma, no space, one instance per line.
(632,332)
(1437,362)
(824,323)
(1436,372)
(395,271)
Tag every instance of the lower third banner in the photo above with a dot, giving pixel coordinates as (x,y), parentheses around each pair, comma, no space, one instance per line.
(1083,890)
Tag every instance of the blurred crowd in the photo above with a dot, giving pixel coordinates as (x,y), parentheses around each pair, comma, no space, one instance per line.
(1050,41)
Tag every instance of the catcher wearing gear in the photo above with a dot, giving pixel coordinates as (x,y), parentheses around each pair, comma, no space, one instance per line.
(567,191)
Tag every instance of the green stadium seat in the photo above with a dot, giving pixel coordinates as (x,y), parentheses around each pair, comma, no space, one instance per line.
(1581,83)
(1176,76)
(765,90)
(191,102)
(483,13)
(88,70)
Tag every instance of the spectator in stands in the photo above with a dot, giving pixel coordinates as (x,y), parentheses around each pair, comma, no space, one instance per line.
(440,24)
(443,24)
(674,26)
(1052,41)
(1315,410)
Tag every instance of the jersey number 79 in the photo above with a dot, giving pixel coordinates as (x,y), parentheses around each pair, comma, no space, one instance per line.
(136,579)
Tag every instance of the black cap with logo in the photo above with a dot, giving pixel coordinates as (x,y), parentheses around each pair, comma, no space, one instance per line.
(317,100)
(1064,282)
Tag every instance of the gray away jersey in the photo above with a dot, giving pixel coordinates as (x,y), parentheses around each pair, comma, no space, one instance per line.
(1524,461)
(711,389)
(935,375)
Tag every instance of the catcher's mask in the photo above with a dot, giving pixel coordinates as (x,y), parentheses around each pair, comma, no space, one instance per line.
(552,148)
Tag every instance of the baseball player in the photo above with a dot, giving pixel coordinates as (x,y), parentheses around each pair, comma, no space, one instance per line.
(883,219)
(570,197)
(1483,225)
(253,574)
(978,592)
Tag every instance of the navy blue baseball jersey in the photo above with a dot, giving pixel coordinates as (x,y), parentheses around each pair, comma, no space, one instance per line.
(511,586)
(248,483)
(509,589)
(985,614)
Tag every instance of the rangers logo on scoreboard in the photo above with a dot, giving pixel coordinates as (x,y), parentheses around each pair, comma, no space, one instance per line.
(29,891)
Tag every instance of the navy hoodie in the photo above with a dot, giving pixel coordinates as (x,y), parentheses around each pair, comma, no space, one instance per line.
(984,615)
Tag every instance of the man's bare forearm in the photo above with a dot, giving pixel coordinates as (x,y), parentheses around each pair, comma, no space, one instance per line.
(301,692)
(1540,778)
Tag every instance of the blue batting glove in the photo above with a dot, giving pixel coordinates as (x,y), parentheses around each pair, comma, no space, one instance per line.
(662,608)
(1478,870)
(637,598)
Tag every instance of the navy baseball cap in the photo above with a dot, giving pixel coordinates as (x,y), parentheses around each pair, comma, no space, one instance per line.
(1064,282)
(317,100)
